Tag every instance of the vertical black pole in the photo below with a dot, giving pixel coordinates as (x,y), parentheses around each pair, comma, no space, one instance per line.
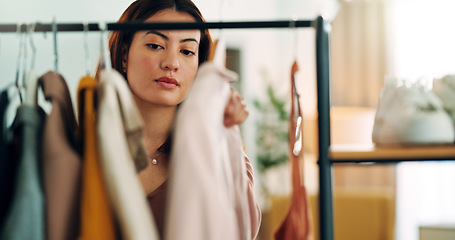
(323,97)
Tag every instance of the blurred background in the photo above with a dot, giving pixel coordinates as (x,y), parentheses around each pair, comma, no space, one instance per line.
(370,39)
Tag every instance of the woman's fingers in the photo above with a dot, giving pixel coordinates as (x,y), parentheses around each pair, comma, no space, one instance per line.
(236,110)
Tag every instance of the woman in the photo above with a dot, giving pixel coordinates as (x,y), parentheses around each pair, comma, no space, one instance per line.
(160,66)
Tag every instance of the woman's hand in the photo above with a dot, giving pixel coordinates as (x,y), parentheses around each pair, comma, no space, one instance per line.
(236,110)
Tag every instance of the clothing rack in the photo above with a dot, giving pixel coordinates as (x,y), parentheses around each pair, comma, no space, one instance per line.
(78,27)
(322,28)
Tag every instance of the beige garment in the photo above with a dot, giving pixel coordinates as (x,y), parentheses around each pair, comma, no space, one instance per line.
(61,161)
(119,130)
(210,193)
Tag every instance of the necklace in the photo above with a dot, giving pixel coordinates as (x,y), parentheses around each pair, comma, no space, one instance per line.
(155,158)
(154,161)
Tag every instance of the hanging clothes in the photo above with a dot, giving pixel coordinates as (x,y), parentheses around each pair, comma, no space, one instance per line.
(25,218)
(296,225)
(122,155)
(61,160)
(8,154)
(210,193)
(97,221)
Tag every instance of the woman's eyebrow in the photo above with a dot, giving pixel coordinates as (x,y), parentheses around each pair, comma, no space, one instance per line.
(189,40)
(166,38)
(157,33)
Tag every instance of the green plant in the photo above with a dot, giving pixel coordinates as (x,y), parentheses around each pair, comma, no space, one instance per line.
(272,131)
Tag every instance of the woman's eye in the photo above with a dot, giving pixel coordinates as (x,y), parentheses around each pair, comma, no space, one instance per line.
(154,46)
(187,52)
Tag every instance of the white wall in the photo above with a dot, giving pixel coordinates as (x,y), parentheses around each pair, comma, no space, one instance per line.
(70,45)
(421,37)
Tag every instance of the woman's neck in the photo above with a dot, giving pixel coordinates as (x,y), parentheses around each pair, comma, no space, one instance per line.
(158,121)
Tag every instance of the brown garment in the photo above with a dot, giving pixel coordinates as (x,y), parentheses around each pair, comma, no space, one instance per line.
(157,204)
(296,225)
(61,161)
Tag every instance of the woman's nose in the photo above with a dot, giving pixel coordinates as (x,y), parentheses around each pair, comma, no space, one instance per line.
(170,62)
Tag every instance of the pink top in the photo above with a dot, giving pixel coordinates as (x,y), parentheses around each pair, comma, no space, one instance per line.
(211,181)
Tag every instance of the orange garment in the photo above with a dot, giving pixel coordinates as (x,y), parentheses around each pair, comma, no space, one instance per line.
(97,220)
(296,225)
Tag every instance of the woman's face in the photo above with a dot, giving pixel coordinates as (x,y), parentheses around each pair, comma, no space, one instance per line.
(161,64)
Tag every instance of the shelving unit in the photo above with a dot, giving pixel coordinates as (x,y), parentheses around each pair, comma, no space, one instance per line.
(382,154)
(340,154)
(328,154)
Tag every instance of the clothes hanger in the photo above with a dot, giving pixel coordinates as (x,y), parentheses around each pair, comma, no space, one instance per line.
(32,80)
(86,49)
(106,56)
(217,53)
(14,86)
(54,33)
(19,59)
(24,58)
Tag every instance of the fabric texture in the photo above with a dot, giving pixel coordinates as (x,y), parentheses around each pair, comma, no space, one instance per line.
(97,219)
(61,160)
(25,217)
(8,154)
(296,224)
(210,194)
(119,131)
(5,180)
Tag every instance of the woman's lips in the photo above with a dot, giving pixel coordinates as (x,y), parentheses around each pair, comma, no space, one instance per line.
(167,82)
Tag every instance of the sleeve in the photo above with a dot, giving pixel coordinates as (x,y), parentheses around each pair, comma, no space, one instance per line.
(255,211)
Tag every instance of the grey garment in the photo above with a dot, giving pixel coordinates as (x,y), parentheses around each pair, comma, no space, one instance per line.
(61,161)
(25,217)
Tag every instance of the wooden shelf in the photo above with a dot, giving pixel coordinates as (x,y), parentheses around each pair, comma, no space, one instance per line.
(371,153)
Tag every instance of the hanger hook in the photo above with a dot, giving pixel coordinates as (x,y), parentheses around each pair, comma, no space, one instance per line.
(25,56)
(18,60)
(295,68)
(104,46)
(292,26)
(54,32)
(31,30)
(86,48)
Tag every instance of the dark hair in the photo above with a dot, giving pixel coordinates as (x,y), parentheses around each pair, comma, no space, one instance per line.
(139,11)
